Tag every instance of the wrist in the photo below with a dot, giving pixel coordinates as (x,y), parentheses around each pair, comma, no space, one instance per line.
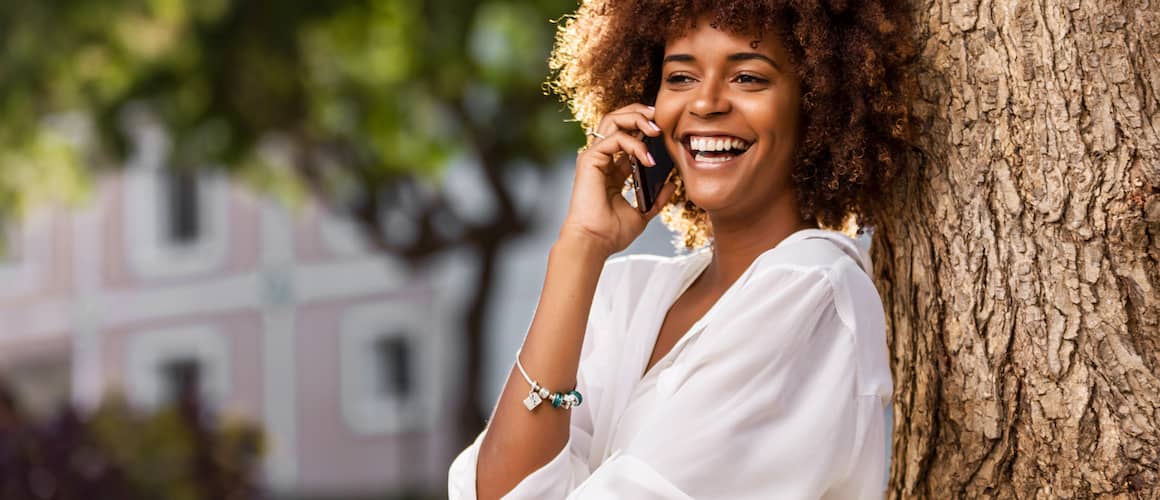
(581,248)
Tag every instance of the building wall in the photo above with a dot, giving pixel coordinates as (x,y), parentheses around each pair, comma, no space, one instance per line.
(282,308)
(35,276)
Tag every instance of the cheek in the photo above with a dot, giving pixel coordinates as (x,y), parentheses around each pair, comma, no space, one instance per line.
(666,118)
(668,110)
(769,116)
(789,116)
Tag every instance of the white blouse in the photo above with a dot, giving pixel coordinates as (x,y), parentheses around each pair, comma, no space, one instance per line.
(779,391)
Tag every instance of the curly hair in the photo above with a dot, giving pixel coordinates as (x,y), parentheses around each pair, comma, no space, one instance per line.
(851,57)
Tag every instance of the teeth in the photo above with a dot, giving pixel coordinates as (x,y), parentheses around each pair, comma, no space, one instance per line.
(700,157)
(697,143)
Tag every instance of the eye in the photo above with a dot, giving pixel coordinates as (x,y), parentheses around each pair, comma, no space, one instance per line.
(678,79)
(751,79)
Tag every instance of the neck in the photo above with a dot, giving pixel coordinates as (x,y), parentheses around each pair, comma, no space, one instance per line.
(737,241)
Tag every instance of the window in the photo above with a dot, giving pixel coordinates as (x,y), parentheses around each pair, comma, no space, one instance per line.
(184,225)
(163,364)
(181,376)
(389,382)
(176,219)
(393,370)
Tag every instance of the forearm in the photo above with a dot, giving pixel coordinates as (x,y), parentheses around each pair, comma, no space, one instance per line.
(518,441)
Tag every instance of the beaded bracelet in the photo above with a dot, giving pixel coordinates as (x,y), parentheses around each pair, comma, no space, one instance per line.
(539,393)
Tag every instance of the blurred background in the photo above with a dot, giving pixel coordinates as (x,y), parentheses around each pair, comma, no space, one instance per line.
(268,249)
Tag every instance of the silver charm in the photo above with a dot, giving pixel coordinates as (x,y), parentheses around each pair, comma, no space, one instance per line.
(533,400)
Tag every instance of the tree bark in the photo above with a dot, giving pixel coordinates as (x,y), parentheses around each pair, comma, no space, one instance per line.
(1019,266)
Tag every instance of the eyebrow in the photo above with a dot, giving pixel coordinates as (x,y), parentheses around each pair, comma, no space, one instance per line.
(739,56)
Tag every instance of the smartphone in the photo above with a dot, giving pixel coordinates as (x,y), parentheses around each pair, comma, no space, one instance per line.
(648,181)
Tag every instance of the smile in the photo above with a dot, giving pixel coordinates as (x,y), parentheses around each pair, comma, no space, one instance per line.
(714,151)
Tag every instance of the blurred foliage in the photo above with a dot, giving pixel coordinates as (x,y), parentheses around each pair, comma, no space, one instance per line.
(176,453)
(349,95)
(360,103)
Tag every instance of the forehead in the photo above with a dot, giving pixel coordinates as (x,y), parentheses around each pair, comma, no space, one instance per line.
(705,39)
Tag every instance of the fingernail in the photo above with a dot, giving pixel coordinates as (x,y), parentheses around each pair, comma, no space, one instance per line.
(651,161)
(655,126)
(652,108)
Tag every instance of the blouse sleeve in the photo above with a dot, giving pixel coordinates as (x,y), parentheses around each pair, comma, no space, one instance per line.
(553,480)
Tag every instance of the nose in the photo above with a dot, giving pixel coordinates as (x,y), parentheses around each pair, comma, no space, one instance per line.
(709,100)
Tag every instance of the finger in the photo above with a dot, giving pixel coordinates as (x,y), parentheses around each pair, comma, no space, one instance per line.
(602,153)
(616,120)
(622,162)
(624,169)
(636,107)
(619,182)
(662,199)
(619,172)
(629,122)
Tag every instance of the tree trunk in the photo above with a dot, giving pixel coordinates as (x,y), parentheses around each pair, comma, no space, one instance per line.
(471,418)
(1019,268)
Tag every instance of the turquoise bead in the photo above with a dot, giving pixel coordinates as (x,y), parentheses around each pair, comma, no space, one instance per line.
(557,400)
(579,398)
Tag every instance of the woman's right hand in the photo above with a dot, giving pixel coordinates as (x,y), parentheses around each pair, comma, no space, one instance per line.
(598,212)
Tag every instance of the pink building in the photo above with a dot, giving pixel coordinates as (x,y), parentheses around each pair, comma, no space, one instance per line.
(344,357)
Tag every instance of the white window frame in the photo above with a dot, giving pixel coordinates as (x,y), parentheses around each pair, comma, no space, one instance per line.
(151,351)
(150,251)
(365,409)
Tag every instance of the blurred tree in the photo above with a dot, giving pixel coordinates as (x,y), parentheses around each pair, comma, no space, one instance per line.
(175,454)
(362,101)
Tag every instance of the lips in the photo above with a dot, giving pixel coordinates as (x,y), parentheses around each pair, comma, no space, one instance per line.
(714,150)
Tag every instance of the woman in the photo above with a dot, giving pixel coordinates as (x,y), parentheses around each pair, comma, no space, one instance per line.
(756,365)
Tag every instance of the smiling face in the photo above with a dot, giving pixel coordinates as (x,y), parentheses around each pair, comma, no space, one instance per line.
(730,113)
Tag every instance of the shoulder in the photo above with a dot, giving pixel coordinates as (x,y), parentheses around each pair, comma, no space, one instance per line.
(649,263)
(818,250)
(639,269)
(842,267)
(627,281)
(628,286)
(831,260)
(634,264)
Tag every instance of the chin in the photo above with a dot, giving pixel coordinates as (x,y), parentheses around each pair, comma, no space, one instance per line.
(709,198)
(715,190)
